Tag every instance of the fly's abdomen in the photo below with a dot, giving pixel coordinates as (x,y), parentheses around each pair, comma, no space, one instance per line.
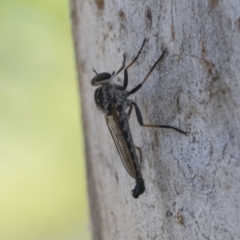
(127,136)
(139,188)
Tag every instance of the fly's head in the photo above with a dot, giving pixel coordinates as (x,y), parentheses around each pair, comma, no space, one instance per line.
(101,78)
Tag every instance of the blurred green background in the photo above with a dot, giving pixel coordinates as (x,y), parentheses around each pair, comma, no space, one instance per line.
(42,171)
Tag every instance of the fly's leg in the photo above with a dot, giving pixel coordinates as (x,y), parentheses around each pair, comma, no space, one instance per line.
(129,111)
(140,121)
(135,89)
(135,59)
(123,65)
(125,82)
(140,154)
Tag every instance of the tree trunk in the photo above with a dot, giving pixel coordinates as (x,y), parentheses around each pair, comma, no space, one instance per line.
(192,183)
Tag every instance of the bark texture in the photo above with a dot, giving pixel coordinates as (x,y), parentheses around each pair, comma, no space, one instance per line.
(192,183)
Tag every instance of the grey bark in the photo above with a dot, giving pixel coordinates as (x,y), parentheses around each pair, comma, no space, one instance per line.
(192,183)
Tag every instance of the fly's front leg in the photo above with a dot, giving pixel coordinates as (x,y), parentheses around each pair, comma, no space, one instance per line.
(135,89)
(125,82)
(140,120)
(135,59)
(123,65)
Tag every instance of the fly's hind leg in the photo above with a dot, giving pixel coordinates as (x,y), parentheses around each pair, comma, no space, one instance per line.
(140,121)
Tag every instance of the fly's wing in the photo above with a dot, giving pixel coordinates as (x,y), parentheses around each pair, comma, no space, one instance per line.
(120,142)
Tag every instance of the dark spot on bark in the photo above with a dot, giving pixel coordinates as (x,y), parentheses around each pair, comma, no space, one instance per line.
(116,176)
(105,37)
(110,26)
(180,218)
(173,31)
(204,50)
(209,67)
(219,92)
(148,14)
(178,103)
(224,91)
(100,4)
(168,214)
(121,15)
(148,17)
(237,23)
(214,3)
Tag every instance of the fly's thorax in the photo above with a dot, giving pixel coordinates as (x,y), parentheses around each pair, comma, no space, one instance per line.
(101,99)
(109,94)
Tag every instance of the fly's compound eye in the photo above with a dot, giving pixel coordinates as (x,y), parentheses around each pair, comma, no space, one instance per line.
(101,78)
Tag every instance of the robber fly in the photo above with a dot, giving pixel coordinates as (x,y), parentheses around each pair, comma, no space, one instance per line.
(112,100)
